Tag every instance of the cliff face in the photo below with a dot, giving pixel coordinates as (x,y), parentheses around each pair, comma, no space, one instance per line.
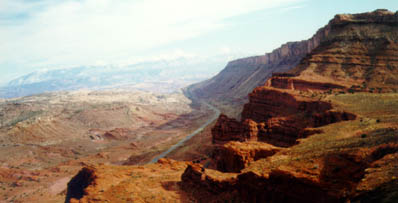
(291,106)
(279,117)
(360,50)
(305,135)
(152,183)
(229,129)
(240,76)
(354,50)
(235,156)
(352,53)
(335,180)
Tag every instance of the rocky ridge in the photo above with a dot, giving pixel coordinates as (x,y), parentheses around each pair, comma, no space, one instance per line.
(309,135)
(292,106)
(353,65)
(360,52)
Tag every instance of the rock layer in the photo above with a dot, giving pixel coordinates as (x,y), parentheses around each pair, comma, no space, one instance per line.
(339,175)
(278,117)
(235,156)
(343,162)
(152,183)
(240,76)
(351,48)
(360,50)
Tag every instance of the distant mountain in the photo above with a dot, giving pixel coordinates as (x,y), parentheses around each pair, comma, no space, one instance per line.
(317,133)
(162,75)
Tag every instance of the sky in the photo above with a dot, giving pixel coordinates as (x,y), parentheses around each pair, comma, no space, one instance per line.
(47,34)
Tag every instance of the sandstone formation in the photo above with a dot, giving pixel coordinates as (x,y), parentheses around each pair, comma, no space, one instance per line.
(242,75)
(357,50)
(117,133)
(278,117)
(235,156)
(232,85)
(352,51)
(360,50)
(304,136)
(152,183)
(335,181)
(292,106)
(298,84)
(228,129)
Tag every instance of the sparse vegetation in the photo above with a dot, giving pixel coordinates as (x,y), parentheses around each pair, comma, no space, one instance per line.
(342,136)
(50,133)
(24,116)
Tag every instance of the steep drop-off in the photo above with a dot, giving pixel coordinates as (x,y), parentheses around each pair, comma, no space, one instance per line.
(338,162)
(278,117)
(360,52)
(240,76)
(357,50)
(304,136)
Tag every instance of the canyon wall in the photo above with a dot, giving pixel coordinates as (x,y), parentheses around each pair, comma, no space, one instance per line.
(354,50)
(283,149)
(241,76)
(279,117)
(360,51)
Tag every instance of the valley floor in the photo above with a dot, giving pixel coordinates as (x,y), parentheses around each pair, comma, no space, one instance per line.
(40,152)
(352,159)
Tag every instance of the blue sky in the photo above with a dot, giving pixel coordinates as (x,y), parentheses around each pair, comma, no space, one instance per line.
(45,34)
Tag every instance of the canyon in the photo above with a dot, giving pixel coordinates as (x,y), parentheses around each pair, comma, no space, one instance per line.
(357,50)
(312,121)
(323,131)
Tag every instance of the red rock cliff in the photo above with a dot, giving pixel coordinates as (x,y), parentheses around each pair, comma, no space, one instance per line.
(360,50)
(278,117)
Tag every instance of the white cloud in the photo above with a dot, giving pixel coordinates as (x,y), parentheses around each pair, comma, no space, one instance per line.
(174,54)
(290,8)
(84,32)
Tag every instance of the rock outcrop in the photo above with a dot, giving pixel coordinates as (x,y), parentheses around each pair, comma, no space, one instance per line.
(359,49)
(209,185)
(152,183)
(241,76)
(229,129)
(298,84)
(117,134)
(235,156)
(352,51)
(268,155)
(279,117)
(335,181)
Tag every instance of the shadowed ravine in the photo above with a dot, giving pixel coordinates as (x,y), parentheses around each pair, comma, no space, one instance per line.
(181,142)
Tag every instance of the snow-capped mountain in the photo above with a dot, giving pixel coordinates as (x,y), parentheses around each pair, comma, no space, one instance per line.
(159,75)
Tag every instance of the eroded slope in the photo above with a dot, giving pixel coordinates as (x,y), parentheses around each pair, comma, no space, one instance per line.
(320,133)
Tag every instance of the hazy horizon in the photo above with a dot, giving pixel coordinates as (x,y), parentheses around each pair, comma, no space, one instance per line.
(48,34)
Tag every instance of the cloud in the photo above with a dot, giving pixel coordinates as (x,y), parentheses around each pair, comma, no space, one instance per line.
(80,32)
(290,8)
